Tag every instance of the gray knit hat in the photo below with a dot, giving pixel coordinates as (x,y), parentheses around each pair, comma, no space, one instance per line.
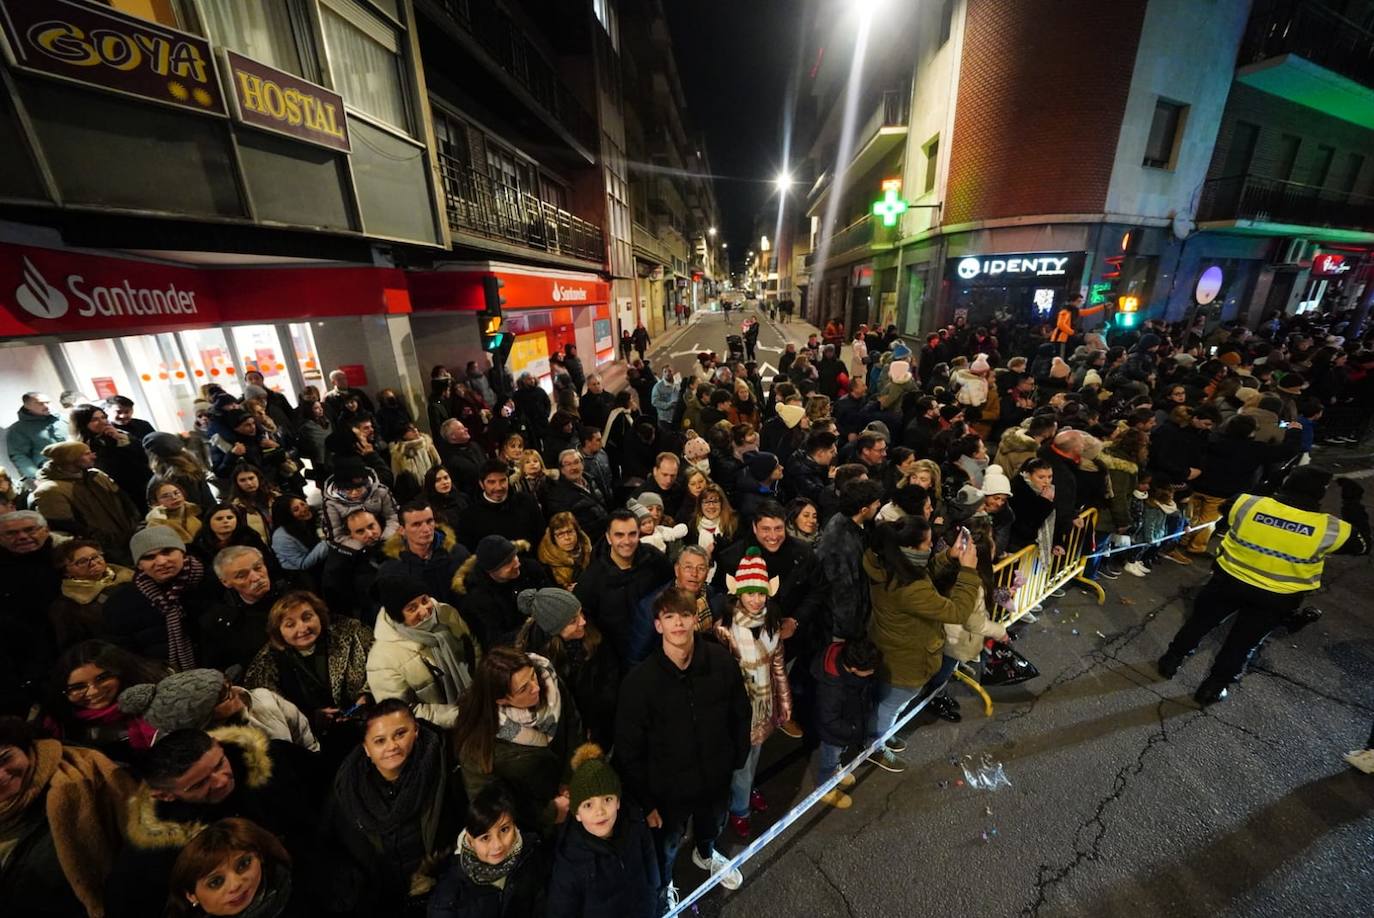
(551,608)
(650,499)
(640,511)
(153,538)
(182,700)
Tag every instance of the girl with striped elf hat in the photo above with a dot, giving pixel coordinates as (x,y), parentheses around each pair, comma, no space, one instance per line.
(752,630)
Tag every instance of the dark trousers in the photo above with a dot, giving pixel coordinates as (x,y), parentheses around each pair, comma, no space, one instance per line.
(1257,612)
(707,817)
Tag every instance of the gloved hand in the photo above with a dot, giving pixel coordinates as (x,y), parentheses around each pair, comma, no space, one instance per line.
(1350,490)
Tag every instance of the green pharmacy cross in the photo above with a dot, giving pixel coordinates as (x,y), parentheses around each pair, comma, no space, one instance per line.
(890,207)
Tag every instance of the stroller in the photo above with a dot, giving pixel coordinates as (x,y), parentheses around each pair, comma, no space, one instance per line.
(735,343)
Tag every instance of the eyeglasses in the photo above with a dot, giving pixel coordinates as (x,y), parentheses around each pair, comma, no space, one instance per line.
(77,689)
(88,561)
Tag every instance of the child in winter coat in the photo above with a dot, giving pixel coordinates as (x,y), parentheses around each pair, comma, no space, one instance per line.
(753,630)
(604,858)
(496,868)
(844,704)
(355,487)
(1161,518)
(652,533)
(1133,564)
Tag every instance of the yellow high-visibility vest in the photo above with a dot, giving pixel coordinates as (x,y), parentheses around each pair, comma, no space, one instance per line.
(1277,547)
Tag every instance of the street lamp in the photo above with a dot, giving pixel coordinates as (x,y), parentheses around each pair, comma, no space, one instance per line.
(711,232)
(783,181)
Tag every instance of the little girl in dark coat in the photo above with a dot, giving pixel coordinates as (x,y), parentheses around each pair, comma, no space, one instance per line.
(497,871)
(604,862)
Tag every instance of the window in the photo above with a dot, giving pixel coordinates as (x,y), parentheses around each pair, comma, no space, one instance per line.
(1288,155)
(364,57)
(1241,150)
(160,11)
(946,21)
(932,151)
(1354,164)
(605,14)
(1161,148)
(261,29)
(1321,169)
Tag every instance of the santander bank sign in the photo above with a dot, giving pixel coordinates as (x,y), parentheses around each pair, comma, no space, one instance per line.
(51,291)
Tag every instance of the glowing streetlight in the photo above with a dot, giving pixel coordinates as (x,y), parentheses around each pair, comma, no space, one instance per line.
(711,232)
(783,181)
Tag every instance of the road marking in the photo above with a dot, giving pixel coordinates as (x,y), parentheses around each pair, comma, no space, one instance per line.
(695,349)
(764,347)
(763,370)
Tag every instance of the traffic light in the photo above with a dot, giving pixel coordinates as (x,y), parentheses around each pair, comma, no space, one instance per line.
(1127,311)
(496,341)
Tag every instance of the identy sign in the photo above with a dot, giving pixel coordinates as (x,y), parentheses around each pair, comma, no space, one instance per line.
(283,103)
(90,43)
(1002,270)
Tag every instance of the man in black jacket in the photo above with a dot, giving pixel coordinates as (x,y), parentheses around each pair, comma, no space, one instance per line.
(424,549)
(1062,453)
(497,510)
(460,454)
(346,585)
(682,729)
(486,585)
(808,469)
(577,493)
(840,551)
(621,574)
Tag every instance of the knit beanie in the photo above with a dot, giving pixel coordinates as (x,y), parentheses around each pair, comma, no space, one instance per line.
(951,411)
(494,551)
(651,499)
(751,576)
(1059,369)
(592,776)
(1248,396)
(1306,481)
(696,449)
(761,466)
(252,391)
(1185,360)
(980,364)
(154,538)
(165,445)
(1292,383)
(640,511)
(1092,378)
(791,414)
(878,427)
(551,608)
(66,452)
(234,418)
(183,700)
(1230,358)
(397,590)
(995,481)
(899,372)
(223,401)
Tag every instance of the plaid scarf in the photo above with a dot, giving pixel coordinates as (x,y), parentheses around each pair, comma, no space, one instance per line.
(166,598)
(534,726)
(484,874)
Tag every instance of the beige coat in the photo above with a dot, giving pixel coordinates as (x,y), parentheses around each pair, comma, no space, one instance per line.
(400,668)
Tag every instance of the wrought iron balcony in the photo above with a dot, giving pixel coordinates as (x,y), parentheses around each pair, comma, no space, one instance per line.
(1312,30)
(1265,200)
(484,206)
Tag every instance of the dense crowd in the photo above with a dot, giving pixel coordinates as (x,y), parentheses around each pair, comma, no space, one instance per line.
(311,660)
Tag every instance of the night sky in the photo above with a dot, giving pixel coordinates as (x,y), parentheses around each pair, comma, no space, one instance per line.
(735,58)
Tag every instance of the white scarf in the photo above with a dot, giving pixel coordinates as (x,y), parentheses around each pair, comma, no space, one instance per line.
(755,655)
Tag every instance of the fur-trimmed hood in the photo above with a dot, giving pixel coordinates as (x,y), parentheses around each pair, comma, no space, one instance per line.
(1116,463)
(469,568)
(150,827)
(444,537)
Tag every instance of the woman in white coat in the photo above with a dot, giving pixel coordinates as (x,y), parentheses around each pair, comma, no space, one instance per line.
(424,653)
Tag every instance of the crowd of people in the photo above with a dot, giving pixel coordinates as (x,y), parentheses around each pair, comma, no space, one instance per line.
(311,660)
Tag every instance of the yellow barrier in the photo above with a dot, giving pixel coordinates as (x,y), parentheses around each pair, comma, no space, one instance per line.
(1038,578)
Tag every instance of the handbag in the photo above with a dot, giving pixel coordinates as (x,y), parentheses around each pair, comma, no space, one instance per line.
(1003,665)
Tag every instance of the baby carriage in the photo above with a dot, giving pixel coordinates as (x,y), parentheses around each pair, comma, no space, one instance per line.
(736,345)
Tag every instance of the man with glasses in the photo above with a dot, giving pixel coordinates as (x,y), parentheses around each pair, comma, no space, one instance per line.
(577,493)
(29,582)
(690,574)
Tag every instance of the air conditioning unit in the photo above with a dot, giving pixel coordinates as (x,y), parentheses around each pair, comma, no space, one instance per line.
(1293,252)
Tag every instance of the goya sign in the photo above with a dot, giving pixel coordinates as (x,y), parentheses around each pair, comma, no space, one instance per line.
(94,45)
(283,103)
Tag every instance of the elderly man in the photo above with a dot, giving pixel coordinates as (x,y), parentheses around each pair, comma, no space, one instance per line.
(78,498)
(486,585)
(577,493)
(157,616)
(425,549)
(339,392)
(1063,453)
(36,427)
(28,585)
(500,510)
(621,574)
(690,574)
(460,454)
(234,629)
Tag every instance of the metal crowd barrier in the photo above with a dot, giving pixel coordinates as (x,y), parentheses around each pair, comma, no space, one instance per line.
(1039,577)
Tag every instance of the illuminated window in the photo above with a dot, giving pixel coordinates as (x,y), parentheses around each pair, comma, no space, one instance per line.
(260,29)
(162,11)
(1161,148)
(365,58)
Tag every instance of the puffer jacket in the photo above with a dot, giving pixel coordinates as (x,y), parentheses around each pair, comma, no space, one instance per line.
(378,499)
(614,877)
(398,667)
(27,437)
(1015,447)
(908,618)
(87,502)
(1267,429)
(972,388)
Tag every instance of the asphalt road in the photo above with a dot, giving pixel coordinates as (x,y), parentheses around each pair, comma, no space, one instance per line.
(1126,798)
(706,332)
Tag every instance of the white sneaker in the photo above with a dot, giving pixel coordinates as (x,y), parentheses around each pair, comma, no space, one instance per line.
(1030,618)
(671,896)
(715,865)
(1363,759)
(1135,569)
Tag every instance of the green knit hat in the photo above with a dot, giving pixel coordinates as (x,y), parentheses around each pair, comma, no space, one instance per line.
(592,776)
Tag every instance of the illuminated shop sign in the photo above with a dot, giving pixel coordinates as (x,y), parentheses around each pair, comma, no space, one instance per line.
(1002,270)
(1329,264)
(283,103)
(94,45)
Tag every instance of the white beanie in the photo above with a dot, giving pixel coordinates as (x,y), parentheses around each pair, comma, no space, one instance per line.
(1092,378)
(995,481)
(899,371)
(980,364)
(791,414)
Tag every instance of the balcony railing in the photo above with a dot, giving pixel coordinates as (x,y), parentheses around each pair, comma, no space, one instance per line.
(1311,30)
(514,53)
(862,233)
(891,111)
(1267,200)
(485,206)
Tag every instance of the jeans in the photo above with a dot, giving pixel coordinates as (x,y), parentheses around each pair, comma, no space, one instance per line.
(891,700)
(742,783)
(830,762)
(707,818)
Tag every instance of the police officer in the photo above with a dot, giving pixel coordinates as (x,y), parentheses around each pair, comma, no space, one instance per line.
(1271,559)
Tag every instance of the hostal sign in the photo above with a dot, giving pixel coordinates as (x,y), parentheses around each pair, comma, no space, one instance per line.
(283,103)
(1004,270)
(92,44)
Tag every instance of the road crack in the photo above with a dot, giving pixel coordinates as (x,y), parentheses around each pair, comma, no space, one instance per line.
(830,881)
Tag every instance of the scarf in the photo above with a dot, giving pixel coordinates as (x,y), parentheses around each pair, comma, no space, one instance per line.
(87,591)
(484,874)
(755,646)
(166,598)
(920,557)
(534,726)
(610,422)
(974,468)
(380,807)
(136,730)
(434,636)
(274,894)
(567,565)
(85,811)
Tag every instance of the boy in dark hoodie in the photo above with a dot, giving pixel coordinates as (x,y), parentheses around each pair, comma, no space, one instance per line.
(844,703)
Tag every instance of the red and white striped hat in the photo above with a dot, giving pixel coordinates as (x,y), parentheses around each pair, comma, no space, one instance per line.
(752,575)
